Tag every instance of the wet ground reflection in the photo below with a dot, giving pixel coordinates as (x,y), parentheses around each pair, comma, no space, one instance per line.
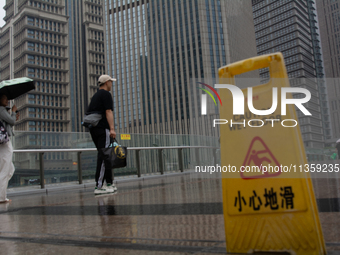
(181,214)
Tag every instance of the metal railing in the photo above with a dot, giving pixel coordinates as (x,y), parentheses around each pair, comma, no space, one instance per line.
(137,153)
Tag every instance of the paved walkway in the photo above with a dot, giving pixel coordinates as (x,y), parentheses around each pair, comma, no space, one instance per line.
(172,214)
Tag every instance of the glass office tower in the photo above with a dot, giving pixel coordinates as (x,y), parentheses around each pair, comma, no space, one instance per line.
(329,21)
(159,50)
(289,26)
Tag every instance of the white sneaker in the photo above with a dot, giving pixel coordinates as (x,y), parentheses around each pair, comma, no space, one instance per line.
(103,190)
(113,186)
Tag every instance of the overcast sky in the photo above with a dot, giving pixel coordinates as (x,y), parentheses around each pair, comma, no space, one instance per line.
(2,14)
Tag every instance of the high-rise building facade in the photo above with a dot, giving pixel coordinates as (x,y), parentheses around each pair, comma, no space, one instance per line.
(60,45)
(87,59)
(158,50)
(34,44)
(289,26)
(329,22)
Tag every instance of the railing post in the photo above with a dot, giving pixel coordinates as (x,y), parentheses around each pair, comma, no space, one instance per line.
(180,159)
(138,162)
(197,152)
(215,156)
(160,159)
(80,175)
(42,177)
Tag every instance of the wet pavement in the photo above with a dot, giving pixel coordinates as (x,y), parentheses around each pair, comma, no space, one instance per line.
(180,214)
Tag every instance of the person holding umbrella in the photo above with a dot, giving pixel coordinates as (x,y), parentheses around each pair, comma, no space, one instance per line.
(6,150)
(9,89)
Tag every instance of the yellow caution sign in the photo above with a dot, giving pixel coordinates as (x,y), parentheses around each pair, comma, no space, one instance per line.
(268,198)
(125,136)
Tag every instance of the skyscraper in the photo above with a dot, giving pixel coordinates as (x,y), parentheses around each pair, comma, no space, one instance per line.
(34,43)
(289,26)
(87,59)
(329,23)
(59,44)
(159,49)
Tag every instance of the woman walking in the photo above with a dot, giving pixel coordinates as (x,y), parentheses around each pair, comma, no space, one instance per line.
(6,149)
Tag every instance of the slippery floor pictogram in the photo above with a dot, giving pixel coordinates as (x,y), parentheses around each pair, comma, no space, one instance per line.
(259,155)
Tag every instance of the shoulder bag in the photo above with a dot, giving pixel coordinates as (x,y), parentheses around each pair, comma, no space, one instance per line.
(116,154)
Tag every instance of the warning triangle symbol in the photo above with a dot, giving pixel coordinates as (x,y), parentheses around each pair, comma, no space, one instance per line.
(259,158)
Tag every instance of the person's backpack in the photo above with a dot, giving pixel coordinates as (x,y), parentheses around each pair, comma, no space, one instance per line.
(4,137)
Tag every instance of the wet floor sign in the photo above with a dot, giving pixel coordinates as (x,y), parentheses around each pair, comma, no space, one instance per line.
(268,201)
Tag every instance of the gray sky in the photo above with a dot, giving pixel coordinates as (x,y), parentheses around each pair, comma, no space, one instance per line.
(2,13)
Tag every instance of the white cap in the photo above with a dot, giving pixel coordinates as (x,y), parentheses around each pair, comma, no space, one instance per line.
(104,78)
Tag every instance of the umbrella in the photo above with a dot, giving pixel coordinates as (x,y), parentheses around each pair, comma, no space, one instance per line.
(16,87)
(338,141)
